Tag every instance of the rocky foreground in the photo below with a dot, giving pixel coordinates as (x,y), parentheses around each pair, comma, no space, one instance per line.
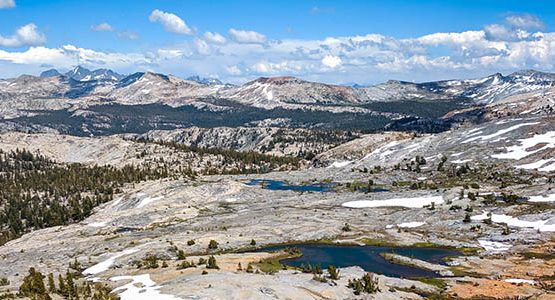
(487,190)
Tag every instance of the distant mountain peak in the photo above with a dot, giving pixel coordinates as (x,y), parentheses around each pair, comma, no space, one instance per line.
(276,80)
(80,73)
(204,80)
(50,73)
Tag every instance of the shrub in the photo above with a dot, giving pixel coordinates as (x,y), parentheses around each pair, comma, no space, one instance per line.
(213,245)
(346,227)
(212,263)
(333,272)
(367,284)
(467,218)
(185,265)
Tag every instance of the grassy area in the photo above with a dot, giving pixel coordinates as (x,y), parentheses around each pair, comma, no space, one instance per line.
(463,250)
(461,271)
(433,281)
(540,255)
(273,264)
(378,242)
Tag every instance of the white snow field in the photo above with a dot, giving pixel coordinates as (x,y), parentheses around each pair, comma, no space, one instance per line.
(492,246)
(105,265)
(515,222)
(141,287)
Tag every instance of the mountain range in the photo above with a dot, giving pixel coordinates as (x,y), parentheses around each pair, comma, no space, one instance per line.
(264,92)
(110,102)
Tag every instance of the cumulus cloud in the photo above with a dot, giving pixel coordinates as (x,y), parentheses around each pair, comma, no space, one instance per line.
(525,21)
(214,37)
(27,35)
(247,36)
(172,23)
(364,59)
(102,27)
(7,4)
(331,61)
(202,47)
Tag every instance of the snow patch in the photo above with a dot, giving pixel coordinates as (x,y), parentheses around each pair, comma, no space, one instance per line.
(141,287)
(520,151)
(97,224)
(498,133)
(340,164)
(148,200)
(541,225)
(461,161)
(417,202)
(542,198)
(492,246)
(105,265)
(518,280)
(457,154)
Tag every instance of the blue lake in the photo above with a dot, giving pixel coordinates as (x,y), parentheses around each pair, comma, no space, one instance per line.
(320,187)
(284,186)
(366,257)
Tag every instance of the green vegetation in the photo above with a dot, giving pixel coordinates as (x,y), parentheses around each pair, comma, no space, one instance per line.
(367,284)
(333,272)
(249,162)
(211,264)
(149,262)
(540,255)
(38,193)
(346,227)
(4,281)
(212,245)
(272,265)
(314,269)
(69,287)
(433,281)
(185,265)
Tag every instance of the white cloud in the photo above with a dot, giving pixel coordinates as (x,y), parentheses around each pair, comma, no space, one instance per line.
(27,35)
(525,21)
(363,59)
(233,70)
(247,36)
(127,35)
(331,61)
(102,27)
(35,55)
(172,23)
(7,4)
(214,37)
(202,47)
(443,38)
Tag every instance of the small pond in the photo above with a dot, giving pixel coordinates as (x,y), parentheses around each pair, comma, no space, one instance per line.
(320,187)
(284,186)
(366,257)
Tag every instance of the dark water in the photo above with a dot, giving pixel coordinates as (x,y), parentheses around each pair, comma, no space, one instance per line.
(366,257)
(320,187)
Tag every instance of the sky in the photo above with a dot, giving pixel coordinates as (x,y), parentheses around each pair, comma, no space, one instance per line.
(341,42)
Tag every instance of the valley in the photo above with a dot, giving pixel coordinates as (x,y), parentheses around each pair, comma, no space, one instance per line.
(149,186)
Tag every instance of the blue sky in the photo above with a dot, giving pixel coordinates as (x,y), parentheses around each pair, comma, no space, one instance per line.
(333,41)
